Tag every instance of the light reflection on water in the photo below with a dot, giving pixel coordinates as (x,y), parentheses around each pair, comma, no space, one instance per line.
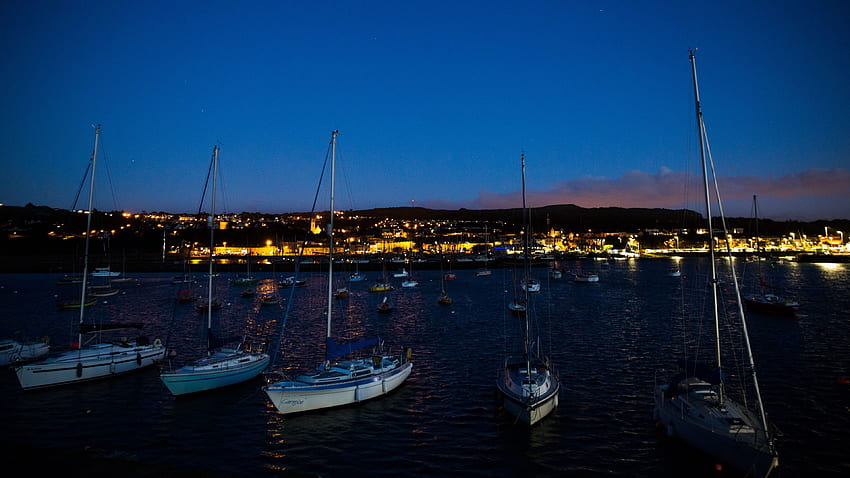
(607,341)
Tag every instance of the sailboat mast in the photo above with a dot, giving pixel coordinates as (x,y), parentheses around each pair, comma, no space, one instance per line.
(701,131)
(88,234)
(331,231)
(212,247)
(758,245)
(526,267)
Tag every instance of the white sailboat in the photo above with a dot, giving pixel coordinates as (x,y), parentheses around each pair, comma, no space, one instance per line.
(123,277)
(100,359)
(224,366)
(530,284)
(335,383)
(410,282)
(517,304)
(765,301)
(444,298)
(694,404)
(586,277)
(485,271)
(527,384)
(104,272)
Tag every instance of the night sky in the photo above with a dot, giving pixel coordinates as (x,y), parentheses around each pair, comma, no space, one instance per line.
(435,101)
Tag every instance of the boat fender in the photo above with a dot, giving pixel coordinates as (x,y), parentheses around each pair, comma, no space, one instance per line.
(139,358)
(157,343)
(79,369)
(408,353)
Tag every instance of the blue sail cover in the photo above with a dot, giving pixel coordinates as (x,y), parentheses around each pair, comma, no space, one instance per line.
(337,350)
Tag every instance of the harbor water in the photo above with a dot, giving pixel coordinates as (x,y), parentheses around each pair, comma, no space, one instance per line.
(607,340)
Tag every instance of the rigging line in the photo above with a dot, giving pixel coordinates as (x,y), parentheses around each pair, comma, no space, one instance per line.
(273,359)
(739,301)
(222,186)
(82,184)
(347,182)
(109,178)
(167,341)
(206,184)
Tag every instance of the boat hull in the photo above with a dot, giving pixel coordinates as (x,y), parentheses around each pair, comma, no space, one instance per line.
(200,378)
(587,278)
(529,403)
(12,352)
(91,363)
(297,397)
(769,304)
(756,460)
(530,414)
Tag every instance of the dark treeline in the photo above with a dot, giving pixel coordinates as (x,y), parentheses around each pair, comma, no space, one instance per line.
(40,230)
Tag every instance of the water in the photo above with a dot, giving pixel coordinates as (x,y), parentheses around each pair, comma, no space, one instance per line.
(607,341)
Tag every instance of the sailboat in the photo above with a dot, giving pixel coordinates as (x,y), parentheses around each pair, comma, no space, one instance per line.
(13,352)
(517,304)
(410,282)
(444,298)
(381,285)
(103,289)
(247,279)
(222,367)
(335,383)
(123,277)
(104,272)
(694,405)
(385,307)
(530,284)
(98,360)
(268,298)
(527,384)
(356,276)
(485,271)
(767,302)
(342,293)
(184,292)
(586,277)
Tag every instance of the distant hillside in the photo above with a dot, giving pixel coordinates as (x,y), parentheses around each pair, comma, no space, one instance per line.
(566,216)
(37,220)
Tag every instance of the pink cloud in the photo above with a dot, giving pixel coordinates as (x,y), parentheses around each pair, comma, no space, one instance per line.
(676,189)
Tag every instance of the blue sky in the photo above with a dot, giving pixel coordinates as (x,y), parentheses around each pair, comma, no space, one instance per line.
(435,102)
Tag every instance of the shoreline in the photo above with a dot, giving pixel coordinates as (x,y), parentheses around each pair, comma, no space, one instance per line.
(151,262)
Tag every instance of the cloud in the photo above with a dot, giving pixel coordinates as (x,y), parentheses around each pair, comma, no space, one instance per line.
(812,189)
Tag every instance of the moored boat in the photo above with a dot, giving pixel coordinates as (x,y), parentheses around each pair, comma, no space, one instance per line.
(90,362)
(586,277)
(14,352)
(337,383)
(695,404)
(527,384)
(223,366)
